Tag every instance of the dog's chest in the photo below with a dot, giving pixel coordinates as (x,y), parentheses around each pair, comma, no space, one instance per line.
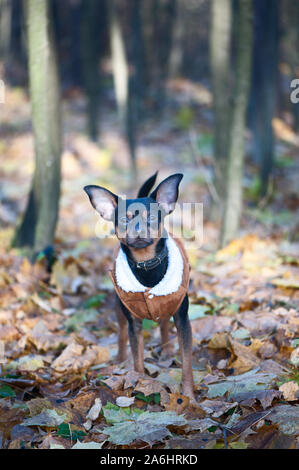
(163,295)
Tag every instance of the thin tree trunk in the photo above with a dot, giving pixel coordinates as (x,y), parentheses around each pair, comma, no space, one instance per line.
(38,226)
(292,38)
(220,42)
(125,104)
(163,17)
(138,53)
(5,27)
(264,84)
(119,61)
(90,54)
(79,12)
(235,164)
(177,49)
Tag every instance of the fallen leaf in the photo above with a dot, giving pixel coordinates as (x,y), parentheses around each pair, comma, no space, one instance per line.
(177,403)
(294,359)
(7,391)
(290,390)
(124,402)
(197,441)
(29,362)
(248,421)
(9,333)
(95,410)
(73,357)
(47,418)
(148,386)
(88,445)
(220,341)
(51,442)
(205,328)
(247,382)
(270,437)
(38,405)
(147,427)
(287,416)
(201,424)
(217,408)
(286,283)
(267,350)
(115,382)
(43,340)
(265,397)
(246,359)
(172,378)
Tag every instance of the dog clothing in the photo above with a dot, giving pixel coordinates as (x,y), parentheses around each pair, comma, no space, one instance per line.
(164,299)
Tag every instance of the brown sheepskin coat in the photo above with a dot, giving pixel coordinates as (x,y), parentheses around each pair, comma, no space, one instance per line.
(145,305)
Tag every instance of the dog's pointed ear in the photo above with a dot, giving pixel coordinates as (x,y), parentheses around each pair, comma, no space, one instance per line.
(103,200)
(166,194)
(147,186)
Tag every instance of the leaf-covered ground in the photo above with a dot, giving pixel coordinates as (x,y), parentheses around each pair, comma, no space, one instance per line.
(59,383)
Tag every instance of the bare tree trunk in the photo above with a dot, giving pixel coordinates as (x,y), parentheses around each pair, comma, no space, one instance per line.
(220,42)
(121,78)
(177,48)
(292,39)
(90,55)
(38,226)
(138,53)
(163,17)
(5,27)
(119,60)
(235,164)
(264,85)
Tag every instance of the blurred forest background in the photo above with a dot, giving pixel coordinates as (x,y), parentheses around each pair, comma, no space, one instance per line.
(108,92)
(122,88)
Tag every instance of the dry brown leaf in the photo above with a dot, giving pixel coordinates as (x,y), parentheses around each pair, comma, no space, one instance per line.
(217,408)
(44,340)
(75,358)
(205,328)
(147,386)
(131,379)
(115,382)
(9,333)
(220,341)
(265,397)
(177,403)
(270,437)
(66,279)
(290,390)
(38,405)
(245,360)
(255,345)
(81,404)
(267,350)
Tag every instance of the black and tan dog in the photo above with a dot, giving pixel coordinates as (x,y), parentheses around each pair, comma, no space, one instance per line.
(151,269)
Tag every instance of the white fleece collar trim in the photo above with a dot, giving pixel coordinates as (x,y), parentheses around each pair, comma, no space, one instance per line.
(169,284)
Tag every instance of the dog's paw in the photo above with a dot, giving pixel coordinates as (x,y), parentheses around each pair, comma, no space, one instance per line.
(190,394)
(167,351)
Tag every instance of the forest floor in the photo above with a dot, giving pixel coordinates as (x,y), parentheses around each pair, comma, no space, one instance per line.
(59,384)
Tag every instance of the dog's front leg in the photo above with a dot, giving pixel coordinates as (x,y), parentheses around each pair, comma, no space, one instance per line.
(136,342)
(183,326)
(136,339)
(123,331)
(167,347)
